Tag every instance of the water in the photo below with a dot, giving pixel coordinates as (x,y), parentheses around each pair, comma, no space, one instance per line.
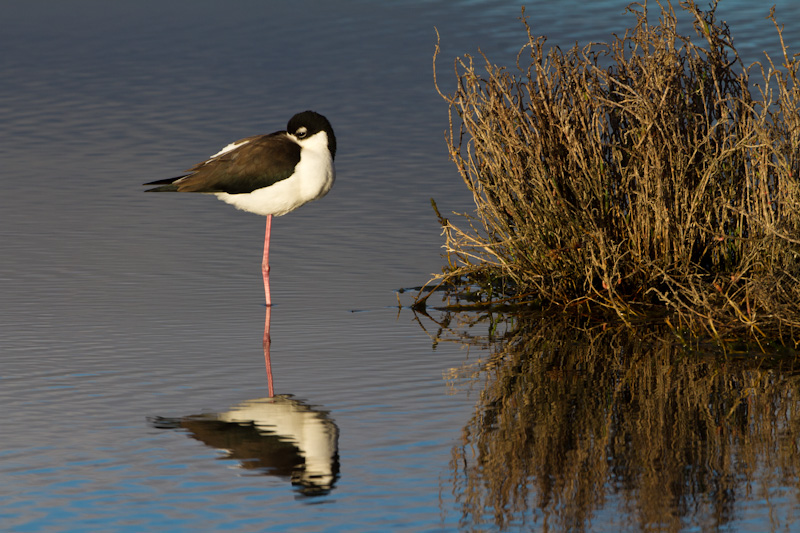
(125,315)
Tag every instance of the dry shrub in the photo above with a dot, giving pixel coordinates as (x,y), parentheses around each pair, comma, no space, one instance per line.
(645,174)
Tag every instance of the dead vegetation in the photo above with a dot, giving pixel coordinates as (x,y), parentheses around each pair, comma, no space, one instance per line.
(648,174)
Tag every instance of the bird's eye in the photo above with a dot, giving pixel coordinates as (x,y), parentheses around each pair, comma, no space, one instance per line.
(301,133)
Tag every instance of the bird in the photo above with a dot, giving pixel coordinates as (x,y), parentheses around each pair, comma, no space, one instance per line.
(269,175)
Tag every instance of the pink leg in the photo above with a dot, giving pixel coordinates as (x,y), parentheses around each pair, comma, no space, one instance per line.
(267,338)
(265,262)
(267,343)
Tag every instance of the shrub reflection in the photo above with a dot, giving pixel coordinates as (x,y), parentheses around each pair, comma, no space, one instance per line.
(571,421)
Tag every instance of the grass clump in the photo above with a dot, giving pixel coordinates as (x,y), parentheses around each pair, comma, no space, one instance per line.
(648,173)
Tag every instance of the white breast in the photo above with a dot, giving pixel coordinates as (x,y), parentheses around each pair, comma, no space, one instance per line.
(313,177)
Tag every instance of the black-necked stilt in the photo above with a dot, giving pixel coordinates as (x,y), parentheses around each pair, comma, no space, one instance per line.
(278,436)
(267,174)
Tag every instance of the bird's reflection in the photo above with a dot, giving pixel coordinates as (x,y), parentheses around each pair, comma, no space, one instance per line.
(277,436)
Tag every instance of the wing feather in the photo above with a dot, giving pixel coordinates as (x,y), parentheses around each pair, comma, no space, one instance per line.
(255,163)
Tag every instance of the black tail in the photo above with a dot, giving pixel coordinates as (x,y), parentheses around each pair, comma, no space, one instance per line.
(167,185)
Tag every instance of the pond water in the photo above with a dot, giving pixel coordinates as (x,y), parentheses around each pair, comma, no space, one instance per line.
(132,376)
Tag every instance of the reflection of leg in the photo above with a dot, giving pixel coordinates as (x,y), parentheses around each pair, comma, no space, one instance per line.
(265,262)
(267,342)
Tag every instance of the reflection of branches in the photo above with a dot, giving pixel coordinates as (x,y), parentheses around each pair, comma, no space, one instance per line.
(571,418)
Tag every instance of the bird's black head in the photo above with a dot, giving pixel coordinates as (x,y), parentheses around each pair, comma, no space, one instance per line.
(308,123)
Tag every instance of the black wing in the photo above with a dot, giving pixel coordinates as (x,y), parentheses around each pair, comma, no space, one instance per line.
(259,162)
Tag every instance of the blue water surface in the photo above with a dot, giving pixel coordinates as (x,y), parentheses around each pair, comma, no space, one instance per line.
(119,307)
